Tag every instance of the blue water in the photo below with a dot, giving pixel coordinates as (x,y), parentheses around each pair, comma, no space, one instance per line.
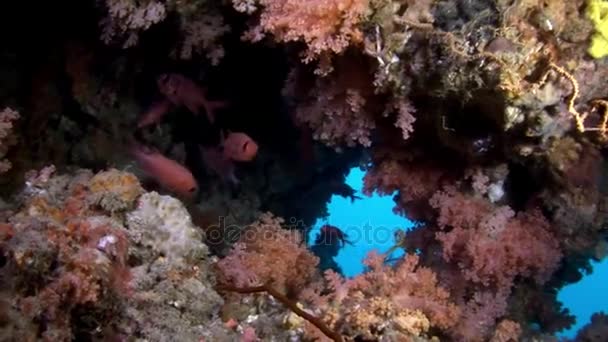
(370,224)
(586,297)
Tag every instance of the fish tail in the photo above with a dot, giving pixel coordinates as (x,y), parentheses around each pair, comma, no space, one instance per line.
(135,147)
(153,114)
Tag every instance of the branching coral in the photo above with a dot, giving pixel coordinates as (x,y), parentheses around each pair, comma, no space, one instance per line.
(339,108)
(325,26)
(405,117)
(253,260)
(492,245)
(127,18)
(201,33)
(199,23)
(413,181)
(401,302)
(283,299)
(479,315)
(506,331)
(483,246)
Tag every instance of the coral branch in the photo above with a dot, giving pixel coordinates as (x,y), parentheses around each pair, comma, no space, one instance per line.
(291,305)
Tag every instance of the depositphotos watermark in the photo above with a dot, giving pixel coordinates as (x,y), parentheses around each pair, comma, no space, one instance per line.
(365,233)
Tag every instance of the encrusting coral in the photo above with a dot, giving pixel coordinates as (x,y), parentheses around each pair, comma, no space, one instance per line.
(77,269)
(7,118)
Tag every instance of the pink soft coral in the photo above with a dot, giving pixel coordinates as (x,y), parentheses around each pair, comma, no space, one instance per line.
(413,181)
(479,315)
(381,301)
(492,244)
(410,285)
(339,108)
(253,260)
(324,25)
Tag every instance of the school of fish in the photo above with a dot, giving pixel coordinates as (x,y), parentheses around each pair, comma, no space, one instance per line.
(179,91)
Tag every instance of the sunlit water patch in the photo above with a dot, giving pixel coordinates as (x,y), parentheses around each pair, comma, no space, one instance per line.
(369,223)
(588,296)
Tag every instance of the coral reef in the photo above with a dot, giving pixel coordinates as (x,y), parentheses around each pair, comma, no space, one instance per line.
(487,120)
(7,117)
(76,267)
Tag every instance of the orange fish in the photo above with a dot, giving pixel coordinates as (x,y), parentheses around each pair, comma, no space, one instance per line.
(182,91)
(239,147)
(167,172)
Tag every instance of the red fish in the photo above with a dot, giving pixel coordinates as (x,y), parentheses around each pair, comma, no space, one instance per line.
(167,172)
(239,146)
(182,91)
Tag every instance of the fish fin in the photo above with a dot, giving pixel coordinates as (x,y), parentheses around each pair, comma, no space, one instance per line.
(211,105)
(154,113)
(134,146)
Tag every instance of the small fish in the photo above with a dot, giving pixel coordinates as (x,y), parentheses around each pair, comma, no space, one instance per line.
(182,91)
(239,147)
(343,190)
(153,115)
(331,235)
(167,172)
